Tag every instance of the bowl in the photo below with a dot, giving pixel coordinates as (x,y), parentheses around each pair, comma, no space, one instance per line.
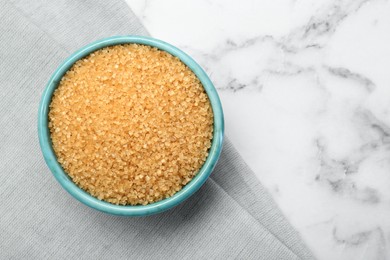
(129,210)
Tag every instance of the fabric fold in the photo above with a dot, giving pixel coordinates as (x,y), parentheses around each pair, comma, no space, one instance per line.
(231,217)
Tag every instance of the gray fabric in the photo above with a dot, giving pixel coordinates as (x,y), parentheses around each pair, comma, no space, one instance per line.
(232,216)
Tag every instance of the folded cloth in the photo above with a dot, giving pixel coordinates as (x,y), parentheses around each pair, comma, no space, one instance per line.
(231,217)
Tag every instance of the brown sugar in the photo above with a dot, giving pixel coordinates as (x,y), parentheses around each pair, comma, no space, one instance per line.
(130,124)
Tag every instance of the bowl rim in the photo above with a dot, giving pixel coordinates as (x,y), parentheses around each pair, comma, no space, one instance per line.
(128,210)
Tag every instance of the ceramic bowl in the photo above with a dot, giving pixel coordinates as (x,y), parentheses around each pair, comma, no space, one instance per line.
(138,210)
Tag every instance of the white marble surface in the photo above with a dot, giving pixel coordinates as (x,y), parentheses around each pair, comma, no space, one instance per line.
(305,87)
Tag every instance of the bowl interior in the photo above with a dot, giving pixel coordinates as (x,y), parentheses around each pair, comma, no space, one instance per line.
(139,210)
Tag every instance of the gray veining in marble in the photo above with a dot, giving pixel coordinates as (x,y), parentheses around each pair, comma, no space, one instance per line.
(305,87)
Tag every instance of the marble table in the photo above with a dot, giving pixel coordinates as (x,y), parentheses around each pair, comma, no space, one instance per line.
(305,87)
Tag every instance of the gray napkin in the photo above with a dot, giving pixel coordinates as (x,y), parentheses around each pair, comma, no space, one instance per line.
(231,216)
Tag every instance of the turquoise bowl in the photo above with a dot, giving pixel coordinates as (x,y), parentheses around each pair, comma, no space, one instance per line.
(138,210)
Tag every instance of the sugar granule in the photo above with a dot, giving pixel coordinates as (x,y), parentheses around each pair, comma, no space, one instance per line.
(130,124)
